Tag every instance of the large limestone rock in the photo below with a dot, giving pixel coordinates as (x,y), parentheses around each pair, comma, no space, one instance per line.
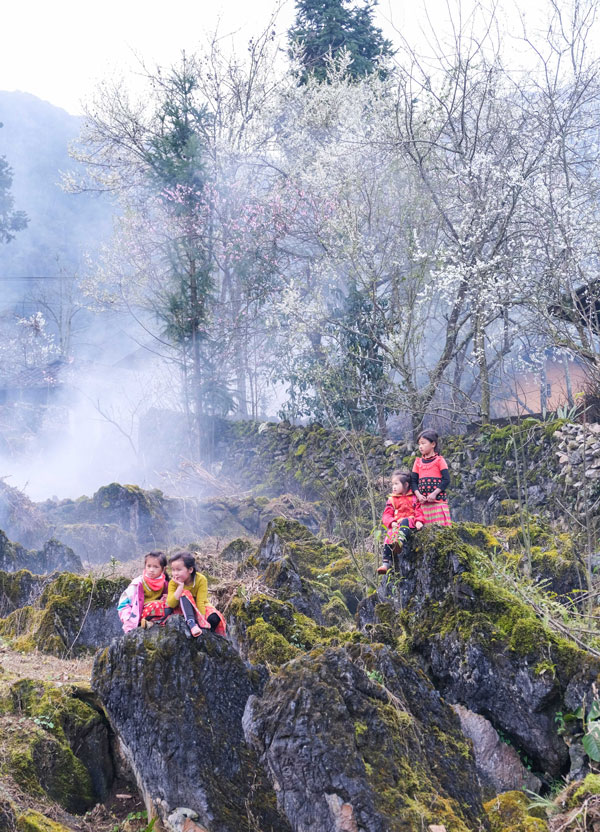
(356,738)
(55,755)
(482,647)
(177,704)
(20,589)
(98,543)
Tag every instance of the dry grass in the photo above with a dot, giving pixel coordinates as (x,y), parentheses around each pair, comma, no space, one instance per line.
(42,667)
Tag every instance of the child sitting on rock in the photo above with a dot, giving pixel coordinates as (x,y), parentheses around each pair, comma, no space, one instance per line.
(188,593)
(401,515)
(144,601)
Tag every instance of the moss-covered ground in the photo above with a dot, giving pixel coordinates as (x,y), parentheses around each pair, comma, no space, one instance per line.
(44,707)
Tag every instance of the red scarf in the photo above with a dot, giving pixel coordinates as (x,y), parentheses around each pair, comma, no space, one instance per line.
(154,584)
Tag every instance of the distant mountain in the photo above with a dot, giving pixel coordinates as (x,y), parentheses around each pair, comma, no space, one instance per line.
(62,227)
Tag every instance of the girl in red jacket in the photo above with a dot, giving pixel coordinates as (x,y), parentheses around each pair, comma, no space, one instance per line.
(402,514)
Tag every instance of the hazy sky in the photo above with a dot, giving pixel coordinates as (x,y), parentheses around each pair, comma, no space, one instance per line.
(58,50)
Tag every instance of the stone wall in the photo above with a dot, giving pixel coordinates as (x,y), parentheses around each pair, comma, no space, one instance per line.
(493,469)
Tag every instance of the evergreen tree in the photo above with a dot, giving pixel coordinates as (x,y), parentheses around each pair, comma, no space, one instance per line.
(326,27)
(11,221)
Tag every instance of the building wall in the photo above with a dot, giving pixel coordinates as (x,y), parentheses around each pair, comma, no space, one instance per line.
(527,387)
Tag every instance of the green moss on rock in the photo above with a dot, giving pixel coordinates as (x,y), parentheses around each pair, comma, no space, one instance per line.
(508,812)
(32,821)
(72,615)
(272,631)
(41,765)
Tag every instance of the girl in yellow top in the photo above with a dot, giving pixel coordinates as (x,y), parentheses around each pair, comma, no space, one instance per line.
(188,593)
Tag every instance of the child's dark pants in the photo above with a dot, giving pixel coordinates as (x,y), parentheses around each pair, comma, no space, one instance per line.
(189,614)
(404,535)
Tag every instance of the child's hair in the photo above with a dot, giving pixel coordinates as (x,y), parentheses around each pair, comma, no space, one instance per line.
(431,436)
(403,476)
(160,557)
(186,557)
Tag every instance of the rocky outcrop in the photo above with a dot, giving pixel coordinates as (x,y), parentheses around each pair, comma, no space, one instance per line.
(318,577)
(141,513)
(237,550)
(54,745)
(55,755)
(482,647)
(280,569)
(20,589)
(52,557)
(72,615)
(177,704)
(357,739)
(74,718)
(346,738)
(122,520)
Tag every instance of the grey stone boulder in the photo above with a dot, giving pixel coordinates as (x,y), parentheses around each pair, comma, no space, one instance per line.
(52,557)
(483,647)
(72,615)
(356,738)
(20,589)
(98,543)
(176,704)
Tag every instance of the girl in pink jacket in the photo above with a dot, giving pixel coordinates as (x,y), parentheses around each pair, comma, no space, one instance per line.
(144,602)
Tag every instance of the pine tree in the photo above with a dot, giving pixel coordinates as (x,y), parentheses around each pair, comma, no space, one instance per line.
(326,27)
(11,221)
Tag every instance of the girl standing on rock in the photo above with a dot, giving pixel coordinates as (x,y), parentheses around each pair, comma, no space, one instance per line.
(144,601)
(188,593)
(429,480)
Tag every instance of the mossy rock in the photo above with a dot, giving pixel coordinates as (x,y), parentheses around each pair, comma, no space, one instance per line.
(480,643)
(508,812)
(477,535)
(272,632)
(53,556)
(32,821)
(160,687)
(337,614)
(42,765)
(373,735)
(590,786)
(73,717)
(145,514)
(98,543)
(327,566)
(19,589)
(238,550)
(72,615)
